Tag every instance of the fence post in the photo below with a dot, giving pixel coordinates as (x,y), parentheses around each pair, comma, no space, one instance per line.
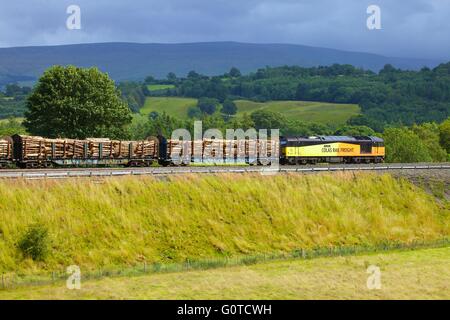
(3,281)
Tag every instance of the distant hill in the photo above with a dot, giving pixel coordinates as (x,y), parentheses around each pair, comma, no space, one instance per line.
(133,61)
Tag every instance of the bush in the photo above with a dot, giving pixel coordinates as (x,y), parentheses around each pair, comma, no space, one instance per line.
(207,105)
(35,242)
(194,112)
(403,145)
(229,107)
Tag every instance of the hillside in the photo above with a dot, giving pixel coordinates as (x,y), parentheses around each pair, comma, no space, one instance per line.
(120,222)
(173,106)
(307,111)
(133,61)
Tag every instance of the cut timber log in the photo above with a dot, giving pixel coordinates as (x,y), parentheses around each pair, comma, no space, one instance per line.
(5,148)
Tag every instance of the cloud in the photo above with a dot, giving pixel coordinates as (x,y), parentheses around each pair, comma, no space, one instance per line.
(415,28)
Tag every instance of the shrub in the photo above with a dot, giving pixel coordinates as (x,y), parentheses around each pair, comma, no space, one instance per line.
(403,145)
(35,242)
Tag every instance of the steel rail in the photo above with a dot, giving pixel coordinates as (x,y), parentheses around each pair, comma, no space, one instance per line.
(114,172)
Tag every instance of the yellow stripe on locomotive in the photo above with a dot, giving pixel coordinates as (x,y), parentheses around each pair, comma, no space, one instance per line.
(337,149)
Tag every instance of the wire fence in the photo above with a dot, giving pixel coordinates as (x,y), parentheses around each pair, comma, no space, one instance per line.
(12,281)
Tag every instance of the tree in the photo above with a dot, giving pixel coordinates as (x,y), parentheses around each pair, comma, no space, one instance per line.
(76,103)
(246,122)
(171,77)
(429,134)
(163,124)
(403,145)
(229,107)
(194,112)
(13,90)
(153,115)
(149,80)
(193,75)
(264,119)
(207,105)
(133,94)
(444,135)
(234,72)
(10,127)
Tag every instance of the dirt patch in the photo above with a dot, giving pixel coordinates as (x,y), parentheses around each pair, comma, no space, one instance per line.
(436,182)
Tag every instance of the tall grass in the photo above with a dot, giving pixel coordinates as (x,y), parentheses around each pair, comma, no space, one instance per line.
(125,221)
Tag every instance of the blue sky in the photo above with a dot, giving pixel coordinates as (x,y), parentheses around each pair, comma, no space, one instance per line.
(412,28)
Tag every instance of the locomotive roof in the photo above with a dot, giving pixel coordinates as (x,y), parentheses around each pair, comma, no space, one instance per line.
(336,138)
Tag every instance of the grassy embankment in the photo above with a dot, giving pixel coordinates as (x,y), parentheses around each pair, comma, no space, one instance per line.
(321,112)
(419,274)
(124,221)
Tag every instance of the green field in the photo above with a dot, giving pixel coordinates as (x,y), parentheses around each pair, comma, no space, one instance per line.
(175,107)
(157,87)
(307,111)
(321,112)
(418,274)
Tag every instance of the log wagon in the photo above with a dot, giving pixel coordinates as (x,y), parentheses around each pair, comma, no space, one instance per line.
(39,152)
(6,151)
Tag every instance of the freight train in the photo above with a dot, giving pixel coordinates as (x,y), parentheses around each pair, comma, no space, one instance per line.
(38,152)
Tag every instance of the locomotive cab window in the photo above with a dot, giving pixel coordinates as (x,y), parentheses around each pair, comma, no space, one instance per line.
(366,148)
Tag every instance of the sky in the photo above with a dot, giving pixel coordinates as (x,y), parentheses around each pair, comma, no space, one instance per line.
(409,28)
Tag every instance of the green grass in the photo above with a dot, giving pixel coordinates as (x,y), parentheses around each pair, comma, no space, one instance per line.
(306,111)
(157,87)
(19,119)
(175,107)
(321,112)
(125,221)
(418,274)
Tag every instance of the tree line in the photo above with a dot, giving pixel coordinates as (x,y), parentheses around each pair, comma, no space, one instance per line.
(78,103)
(390,97)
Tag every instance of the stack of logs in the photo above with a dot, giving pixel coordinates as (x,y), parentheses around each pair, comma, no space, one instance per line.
(5,148)
(230,148)
(94,148)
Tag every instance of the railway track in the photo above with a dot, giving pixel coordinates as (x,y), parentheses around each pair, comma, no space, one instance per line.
(61,173)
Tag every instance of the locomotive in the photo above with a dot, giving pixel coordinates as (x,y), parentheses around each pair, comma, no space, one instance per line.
(331,149)
(37,152)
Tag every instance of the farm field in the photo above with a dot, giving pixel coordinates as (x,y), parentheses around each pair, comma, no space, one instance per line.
(417,274)
(157,87)
(307,111)
(173,106)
